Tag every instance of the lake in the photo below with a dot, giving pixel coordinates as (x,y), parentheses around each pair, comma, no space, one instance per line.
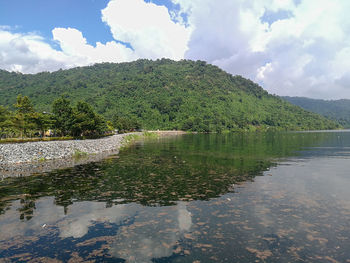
(257,197)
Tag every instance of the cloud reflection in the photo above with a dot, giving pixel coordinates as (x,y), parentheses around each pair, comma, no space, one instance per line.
(153,233)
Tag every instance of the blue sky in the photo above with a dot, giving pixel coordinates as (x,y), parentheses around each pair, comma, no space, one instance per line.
(290,47)
(41,16)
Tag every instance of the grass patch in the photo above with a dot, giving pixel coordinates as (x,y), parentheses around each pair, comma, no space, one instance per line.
(79,154)
(129,139)
(147,134)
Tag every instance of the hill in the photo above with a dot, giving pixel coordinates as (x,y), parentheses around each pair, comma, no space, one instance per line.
(164,94)
(337,110)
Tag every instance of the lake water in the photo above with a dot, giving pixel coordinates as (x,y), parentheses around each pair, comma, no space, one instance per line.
(274,197)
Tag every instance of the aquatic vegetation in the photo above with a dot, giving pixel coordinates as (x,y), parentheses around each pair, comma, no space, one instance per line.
(188,198)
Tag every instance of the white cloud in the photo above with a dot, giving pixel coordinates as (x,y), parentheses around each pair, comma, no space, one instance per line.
(147,27)
(291,47)
(73,44)
(29,53)
(304,51)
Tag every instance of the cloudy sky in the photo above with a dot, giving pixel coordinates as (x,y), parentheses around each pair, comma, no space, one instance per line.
(290,47)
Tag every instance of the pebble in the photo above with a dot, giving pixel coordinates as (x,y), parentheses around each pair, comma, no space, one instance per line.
(16,155)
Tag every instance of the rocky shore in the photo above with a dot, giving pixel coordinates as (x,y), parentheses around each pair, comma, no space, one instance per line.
(19,159)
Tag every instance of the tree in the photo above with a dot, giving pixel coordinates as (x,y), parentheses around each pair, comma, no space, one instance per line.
(42,121)
(83,119)
(62,115)
(123,124)
(5,121)
(23,105)
(86,122)
(22,118)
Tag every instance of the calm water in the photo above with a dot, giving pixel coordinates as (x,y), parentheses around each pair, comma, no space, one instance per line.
(280,197)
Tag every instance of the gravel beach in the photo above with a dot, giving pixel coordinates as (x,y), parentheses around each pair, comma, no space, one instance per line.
(18,159)
(21,159)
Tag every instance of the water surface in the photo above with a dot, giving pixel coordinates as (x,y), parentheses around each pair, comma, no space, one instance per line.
(274,197)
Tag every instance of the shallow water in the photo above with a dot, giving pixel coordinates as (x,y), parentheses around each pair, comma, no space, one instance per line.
(275,197)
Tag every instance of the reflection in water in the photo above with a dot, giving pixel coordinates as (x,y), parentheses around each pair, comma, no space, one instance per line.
(150,233)
(194,198)
(154,234)
(85,214)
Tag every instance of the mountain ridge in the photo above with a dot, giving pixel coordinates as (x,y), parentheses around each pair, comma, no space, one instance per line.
(164,94)
(337,110)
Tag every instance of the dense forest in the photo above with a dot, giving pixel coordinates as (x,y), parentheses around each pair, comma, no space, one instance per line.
(163,94)
(337,110)
(65,120)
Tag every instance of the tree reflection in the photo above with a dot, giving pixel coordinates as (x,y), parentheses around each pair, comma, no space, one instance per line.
(192,167)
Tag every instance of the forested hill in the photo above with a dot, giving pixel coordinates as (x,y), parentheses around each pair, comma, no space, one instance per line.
(164,94)
(338,110)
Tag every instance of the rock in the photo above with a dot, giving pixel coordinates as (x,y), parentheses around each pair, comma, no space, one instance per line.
(19,159)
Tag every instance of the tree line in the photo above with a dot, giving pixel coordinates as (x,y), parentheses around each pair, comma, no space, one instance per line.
(65,119)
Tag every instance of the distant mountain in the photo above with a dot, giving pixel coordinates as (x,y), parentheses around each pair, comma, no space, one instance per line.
(164,94)
(338,110)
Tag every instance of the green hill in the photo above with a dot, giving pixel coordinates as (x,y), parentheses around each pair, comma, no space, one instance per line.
(164,94)
(337,110)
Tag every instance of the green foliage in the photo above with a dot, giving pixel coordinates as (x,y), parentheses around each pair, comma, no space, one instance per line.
(86,122)
(41,122)
(129,139)
(23,105)
(162,94)
(63,115)
(35,139)
(78,121)
(79,154)
(123,124)
(337,110)
(150,135)
(23,118)
(66,120)
(5,121)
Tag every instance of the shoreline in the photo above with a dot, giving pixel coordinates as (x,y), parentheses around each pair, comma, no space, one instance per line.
(21,159)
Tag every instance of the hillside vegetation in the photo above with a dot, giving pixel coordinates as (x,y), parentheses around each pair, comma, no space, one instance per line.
(164,94)
(337,110)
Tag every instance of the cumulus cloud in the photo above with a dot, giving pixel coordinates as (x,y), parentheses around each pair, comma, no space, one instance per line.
(74,44)
(290,47)
(29,53)
(149,28)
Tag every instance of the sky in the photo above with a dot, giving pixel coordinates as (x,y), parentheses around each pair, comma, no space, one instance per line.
(289,47)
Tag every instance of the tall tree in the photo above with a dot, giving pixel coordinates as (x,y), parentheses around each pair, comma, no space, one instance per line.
(5,120)
(42,121)
(86,121)
(23,105)
(22,118)
(62,115)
